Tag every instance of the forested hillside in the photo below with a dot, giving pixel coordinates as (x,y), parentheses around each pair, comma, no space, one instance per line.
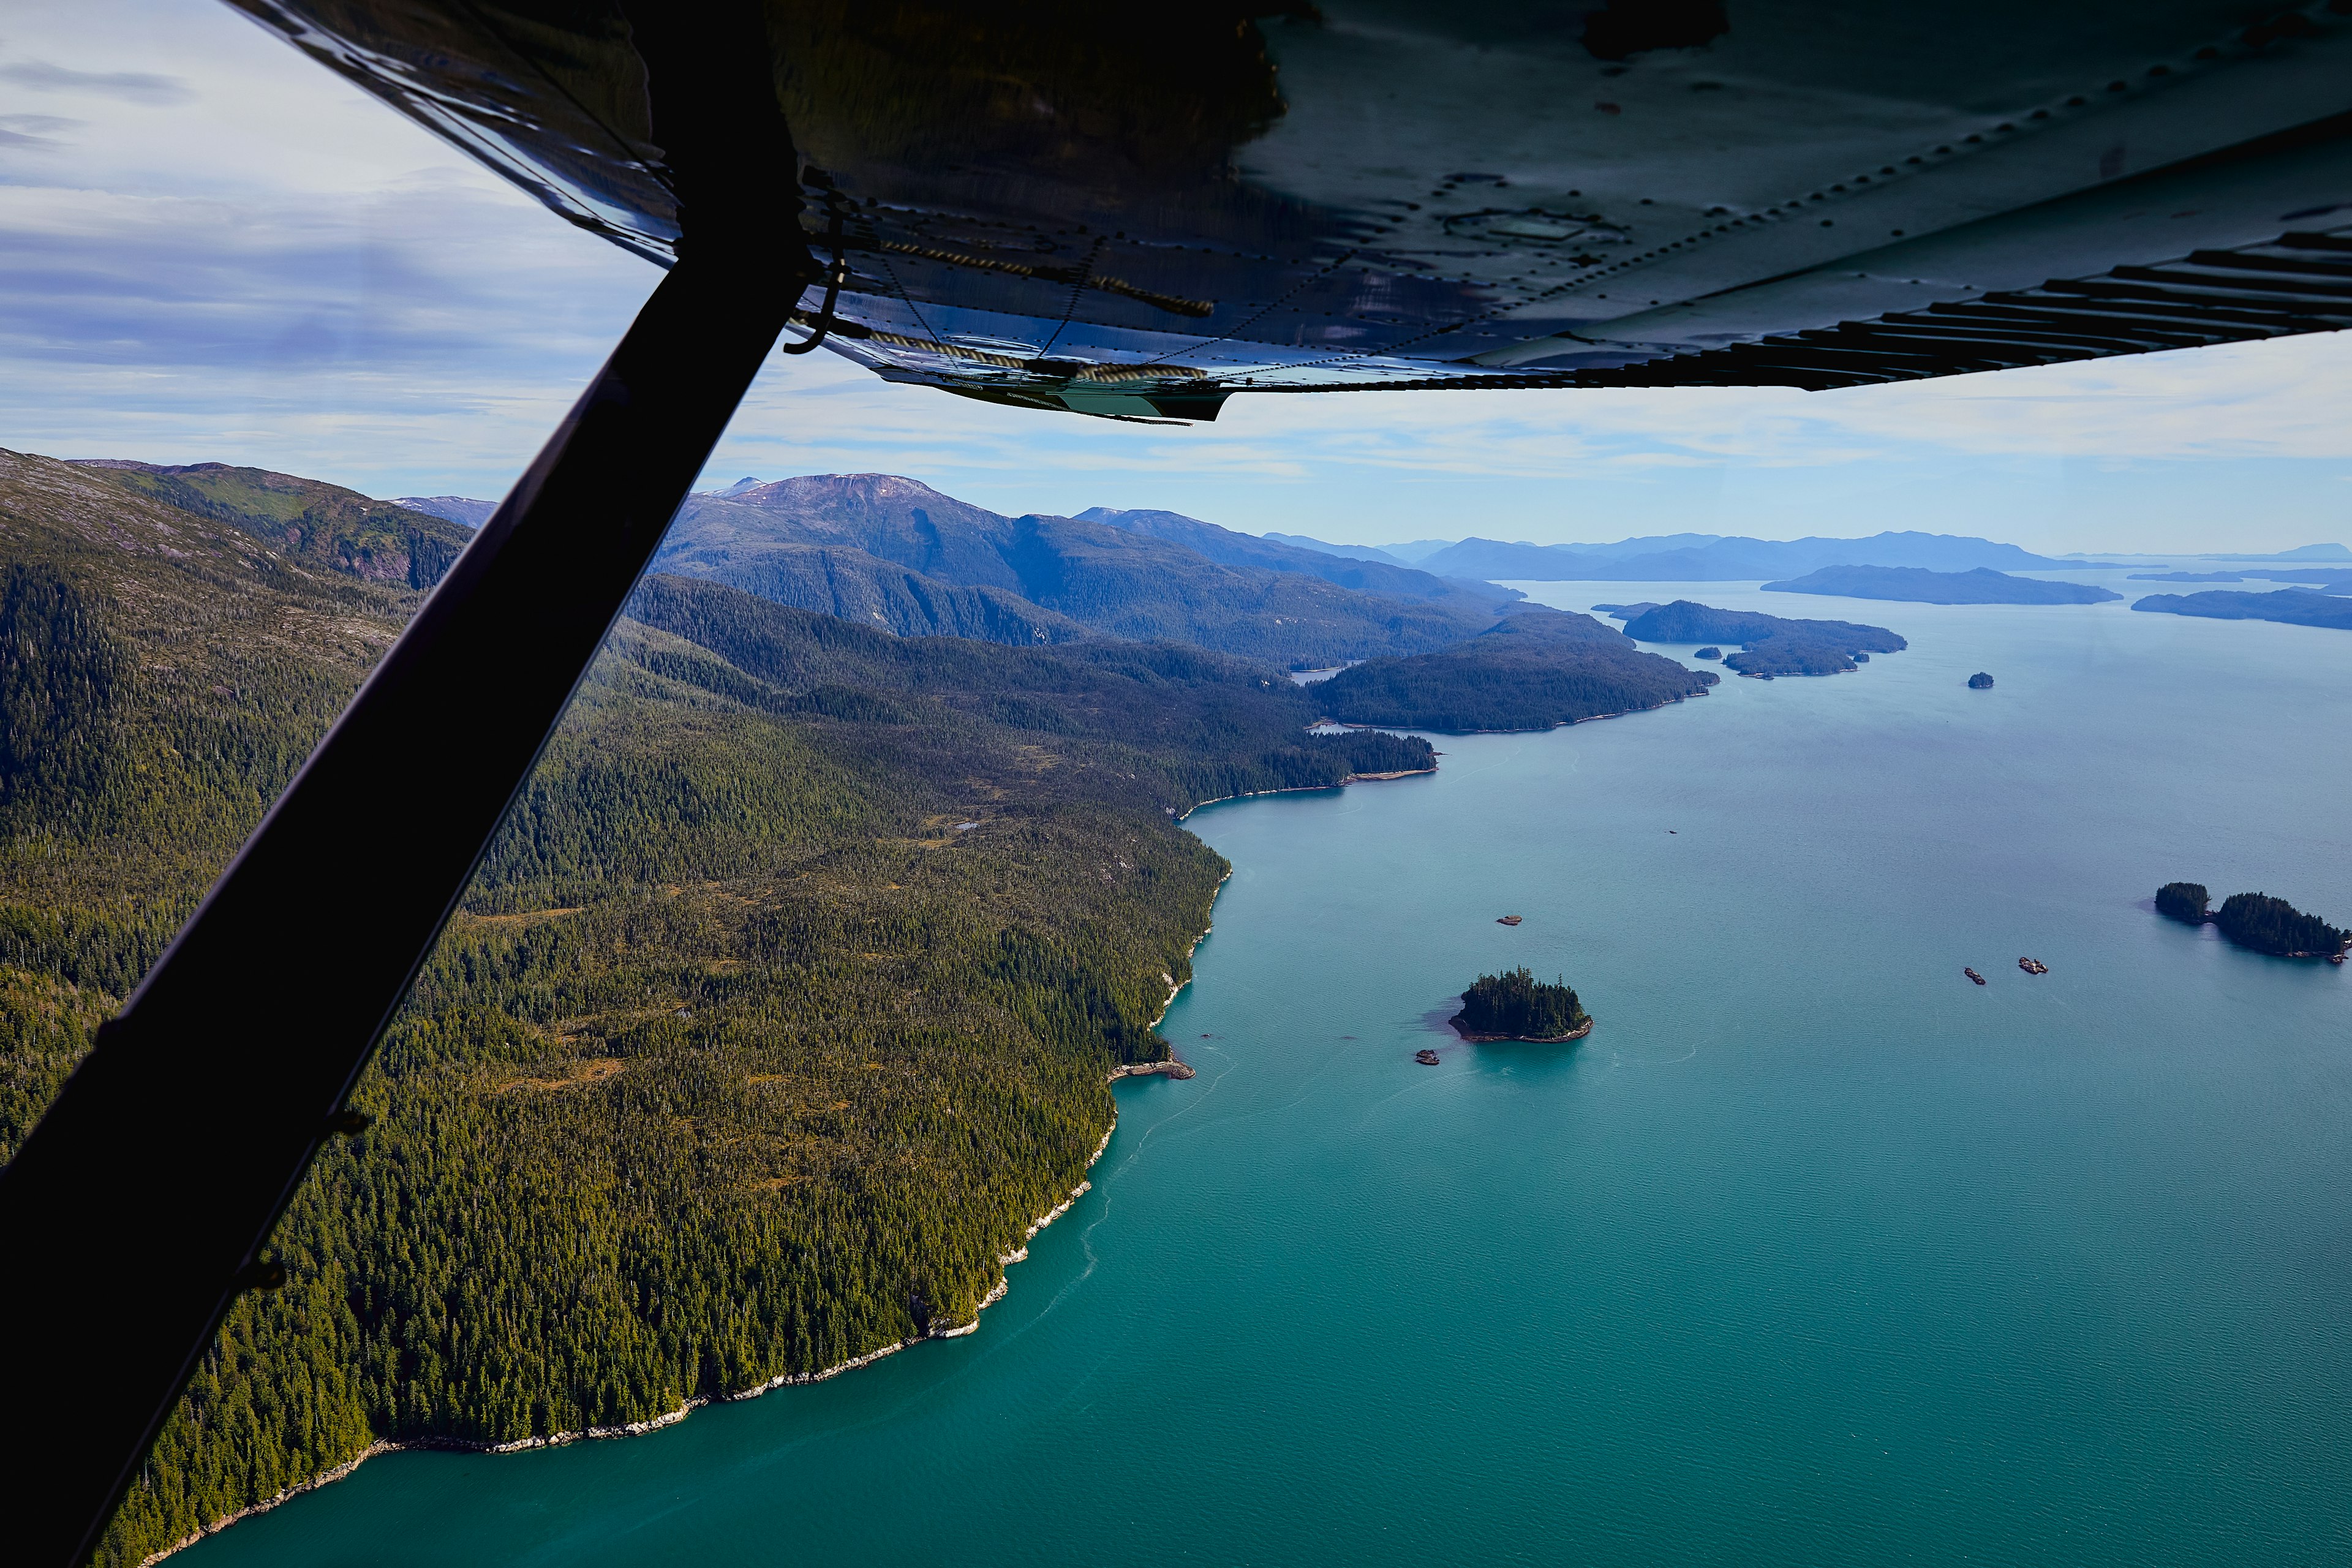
(307,521)
(782,1006)
(838,580)
(1118,582)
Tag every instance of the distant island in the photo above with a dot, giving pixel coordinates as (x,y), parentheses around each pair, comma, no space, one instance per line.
(2294,606)
(2325,579)
(1516,1005)
(1773,646)
(1712,558)
(2257,921)
(2187,902)
(1710,651)
(2274,926)
(1980,681)
(1916,584)
(1534,670)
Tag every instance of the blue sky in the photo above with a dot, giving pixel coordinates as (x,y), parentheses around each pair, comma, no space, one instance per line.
(212,249)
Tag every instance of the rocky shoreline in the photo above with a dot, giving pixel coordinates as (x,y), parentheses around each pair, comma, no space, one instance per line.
(1311,789)
(1534,730)
(1170,1068)
(1576,1033)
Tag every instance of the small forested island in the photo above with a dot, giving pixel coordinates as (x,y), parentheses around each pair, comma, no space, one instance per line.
(1533,670)
(1916,584)
(2255,921)
(1710,651)
(1774,645)
(1980,681)
(1516,1005)
(2188,902)
(2270,925)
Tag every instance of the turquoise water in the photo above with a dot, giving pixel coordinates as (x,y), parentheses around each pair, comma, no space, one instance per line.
(1814,1253)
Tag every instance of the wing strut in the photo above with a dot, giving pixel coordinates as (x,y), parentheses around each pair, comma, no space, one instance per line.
(143,1201)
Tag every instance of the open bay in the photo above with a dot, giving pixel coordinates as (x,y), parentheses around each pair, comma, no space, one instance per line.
(1813,1253)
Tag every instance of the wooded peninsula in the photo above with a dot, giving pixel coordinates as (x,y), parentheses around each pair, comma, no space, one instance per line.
(1774,645)
(1536,670)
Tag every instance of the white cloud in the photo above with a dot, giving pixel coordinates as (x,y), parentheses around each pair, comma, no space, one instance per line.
(131,86)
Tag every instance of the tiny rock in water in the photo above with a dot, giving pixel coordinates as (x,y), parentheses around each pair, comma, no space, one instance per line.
(1507,920)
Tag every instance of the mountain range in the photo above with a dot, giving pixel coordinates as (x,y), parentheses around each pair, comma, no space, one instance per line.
(1432,569)
(894,554)
(1702,558)
(1682,557)
(2301,553)
(1364,571)
(1921,586)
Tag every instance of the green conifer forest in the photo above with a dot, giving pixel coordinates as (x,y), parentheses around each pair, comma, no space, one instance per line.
(782,1006)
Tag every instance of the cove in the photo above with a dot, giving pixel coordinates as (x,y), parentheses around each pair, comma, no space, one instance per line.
(1813,1253)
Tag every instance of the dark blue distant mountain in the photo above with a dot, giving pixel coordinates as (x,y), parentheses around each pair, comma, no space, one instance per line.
(2302,553)
(450,509)
(1352,551)
(1649,544)
(2327,579)
(2337,580)
(2294,606)
(1727,560)
(1228,547)
(1916,585)
(1414,552)
(1494,560)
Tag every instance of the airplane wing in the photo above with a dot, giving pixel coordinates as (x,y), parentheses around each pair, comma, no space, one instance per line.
(1140,212)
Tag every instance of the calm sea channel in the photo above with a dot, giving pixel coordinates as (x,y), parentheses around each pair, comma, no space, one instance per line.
(1813,1253)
